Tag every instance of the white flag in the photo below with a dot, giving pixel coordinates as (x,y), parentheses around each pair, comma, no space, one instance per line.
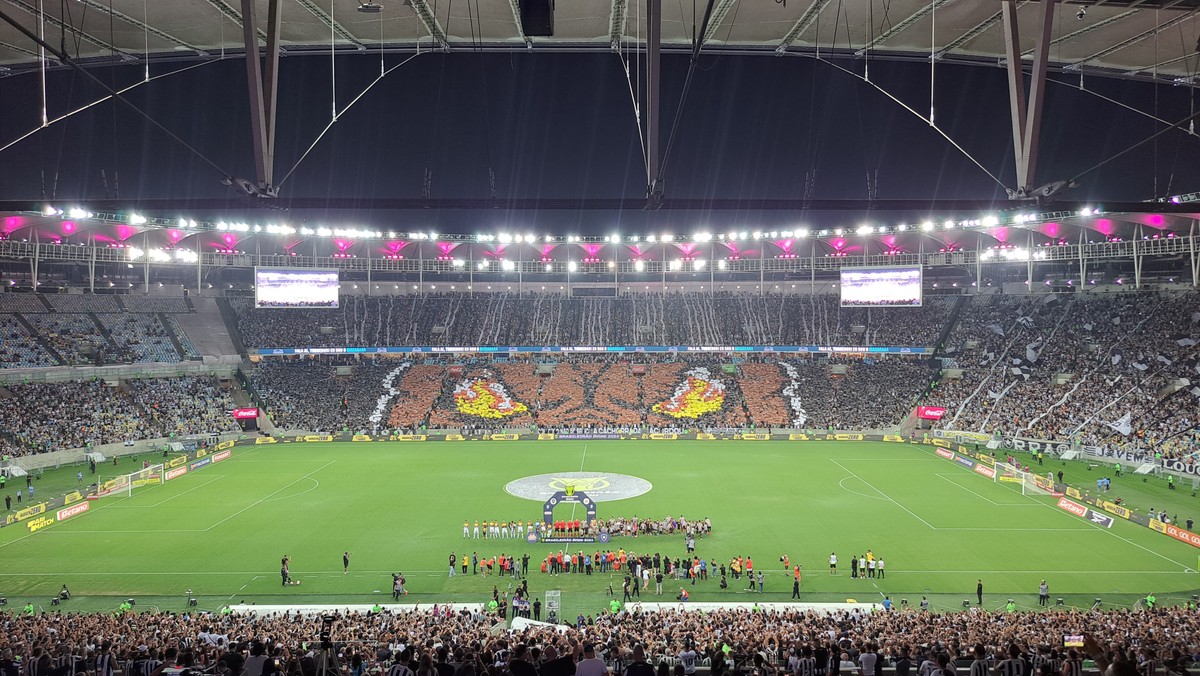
(1122,424)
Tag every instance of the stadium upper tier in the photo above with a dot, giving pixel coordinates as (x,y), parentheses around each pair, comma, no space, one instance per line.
(555,319)
(74,330)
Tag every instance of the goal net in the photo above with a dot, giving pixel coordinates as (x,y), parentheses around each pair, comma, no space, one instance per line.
(1027,482)
(124,484)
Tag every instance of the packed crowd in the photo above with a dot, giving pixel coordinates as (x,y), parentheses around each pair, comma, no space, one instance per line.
(555,319)
(1126,355)
(40,417)
(441,641)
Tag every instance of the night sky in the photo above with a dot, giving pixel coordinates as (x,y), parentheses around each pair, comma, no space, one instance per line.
(563,126)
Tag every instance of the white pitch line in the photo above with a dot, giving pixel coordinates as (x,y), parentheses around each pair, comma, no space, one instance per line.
(890,498)
(980,495)
(267,496)
(161,502)
(1056,510)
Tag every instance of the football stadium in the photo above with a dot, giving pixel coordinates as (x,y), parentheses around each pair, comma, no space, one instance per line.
(482,392)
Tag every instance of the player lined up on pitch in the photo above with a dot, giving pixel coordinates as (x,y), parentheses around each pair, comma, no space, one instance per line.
(617,525)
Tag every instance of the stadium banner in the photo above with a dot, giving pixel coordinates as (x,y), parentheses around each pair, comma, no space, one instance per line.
(1073,492)
(943,453)
(1099,518)
(584,436)
(175,473)
(455,437)
(1114,508)
(72,497)
(1175,532)
(963,437)
(545,436)
(176,462)
(264,440)
(658,435)
(587,349)
(202,462)
(223,455)
(940,442)
(32,510)
(1181,466)
(930,412)
(245,413)
(753,437)
(895,438)
(68,512)
(312,437)
(985,471)
(362,437)
(40,523)
(502,437)
(985,459)
(224,445)
(705,436)
(965,462)
(409,437)
(1073,507)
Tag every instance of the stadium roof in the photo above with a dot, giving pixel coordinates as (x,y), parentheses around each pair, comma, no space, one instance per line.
(1125,38)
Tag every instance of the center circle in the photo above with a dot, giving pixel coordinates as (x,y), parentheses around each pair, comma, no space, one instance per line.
(599,486)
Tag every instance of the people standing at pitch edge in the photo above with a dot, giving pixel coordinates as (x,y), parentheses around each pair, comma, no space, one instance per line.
(979,590)
(1043,594)
(453,560)
(345,563)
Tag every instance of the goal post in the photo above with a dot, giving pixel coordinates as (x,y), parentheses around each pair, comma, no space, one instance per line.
(125,483)
(1026,482)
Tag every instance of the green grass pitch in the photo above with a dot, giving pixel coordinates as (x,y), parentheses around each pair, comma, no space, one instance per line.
(221,531)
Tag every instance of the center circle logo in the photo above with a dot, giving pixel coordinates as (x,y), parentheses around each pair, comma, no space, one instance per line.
(598,486)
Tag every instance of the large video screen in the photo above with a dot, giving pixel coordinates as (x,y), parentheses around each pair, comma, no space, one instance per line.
(881,287)
(293,288)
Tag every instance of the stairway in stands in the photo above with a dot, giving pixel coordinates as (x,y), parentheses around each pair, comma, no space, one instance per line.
(37,336)
(207,328)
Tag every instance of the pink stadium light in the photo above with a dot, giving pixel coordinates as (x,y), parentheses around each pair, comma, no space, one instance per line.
(124,232)
(68,227)
(446,248)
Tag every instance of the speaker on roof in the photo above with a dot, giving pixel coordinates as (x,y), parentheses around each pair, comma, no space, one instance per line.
(537,18)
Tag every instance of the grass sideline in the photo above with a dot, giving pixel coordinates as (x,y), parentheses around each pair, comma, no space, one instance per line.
(221,531)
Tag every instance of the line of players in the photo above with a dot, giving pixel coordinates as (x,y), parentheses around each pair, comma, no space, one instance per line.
(517,530)
(498,530)
(862,566)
